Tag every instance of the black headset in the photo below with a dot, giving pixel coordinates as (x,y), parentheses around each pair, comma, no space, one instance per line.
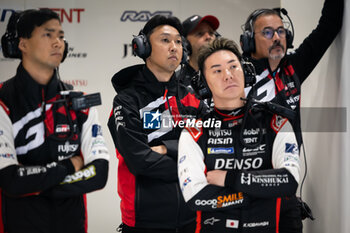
(141,47)
(200,85)
(247,38)
(10,40)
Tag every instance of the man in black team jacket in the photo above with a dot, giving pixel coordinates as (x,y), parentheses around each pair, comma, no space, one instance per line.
(236,174)
(150,102)
(279,76)
(50,154)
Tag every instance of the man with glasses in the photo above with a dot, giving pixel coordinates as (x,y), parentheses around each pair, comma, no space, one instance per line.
(264,42)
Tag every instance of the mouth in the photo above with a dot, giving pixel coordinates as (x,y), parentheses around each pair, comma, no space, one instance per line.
(173,58)
(231,86)
(276,47)
(58,54)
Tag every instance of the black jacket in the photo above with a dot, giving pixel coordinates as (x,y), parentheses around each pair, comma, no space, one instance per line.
(262,160)
(147,181)
(283,85)
(41,192)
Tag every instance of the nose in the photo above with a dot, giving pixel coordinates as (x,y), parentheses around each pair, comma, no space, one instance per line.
(208,36)
(276,36)
(58,42)
(173,46)
(227,74)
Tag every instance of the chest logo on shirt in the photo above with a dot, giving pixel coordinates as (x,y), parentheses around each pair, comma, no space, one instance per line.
(67,147)
(220,150)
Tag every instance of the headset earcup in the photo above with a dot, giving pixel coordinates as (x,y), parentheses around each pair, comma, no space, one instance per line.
(141,46)
(9,45)
(200,86)
(184,50)
(10,40)
(188,47)
(247,42)
(289,38)
(65,52)
(249,73)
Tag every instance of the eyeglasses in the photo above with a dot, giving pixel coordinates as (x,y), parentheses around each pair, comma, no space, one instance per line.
(268,32)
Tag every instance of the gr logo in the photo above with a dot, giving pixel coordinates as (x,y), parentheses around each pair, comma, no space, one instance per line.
(152,120)
(142,16)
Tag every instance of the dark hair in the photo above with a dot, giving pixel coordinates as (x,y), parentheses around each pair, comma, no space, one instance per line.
(29,19)
(218,44)
(255,15)
(158,20)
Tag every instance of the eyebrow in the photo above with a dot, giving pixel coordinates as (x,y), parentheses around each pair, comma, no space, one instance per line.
(217,65)
(168,34)
(53,30)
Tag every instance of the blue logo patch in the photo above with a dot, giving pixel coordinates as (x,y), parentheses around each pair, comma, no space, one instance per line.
(7,156)
(96,130)
(292,148)
(221,150)
(188,180)
(152,120)
(182,159)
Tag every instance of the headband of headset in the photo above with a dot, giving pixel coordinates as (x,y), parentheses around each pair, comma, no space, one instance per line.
(247,38)
(10,40)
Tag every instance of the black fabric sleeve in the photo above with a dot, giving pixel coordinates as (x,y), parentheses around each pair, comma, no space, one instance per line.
(316,44)
(91,177)
(131,142)
(264,183)
(18,180)
(172,148)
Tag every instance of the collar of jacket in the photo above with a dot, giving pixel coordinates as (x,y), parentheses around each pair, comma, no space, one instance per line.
(263,64)
(32,89)
(228,115)
(141,77)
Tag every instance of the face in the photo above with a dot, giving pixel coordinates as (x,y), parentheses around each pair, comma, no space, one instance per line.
(201,36)
(166,52)
(273,48)
(46,45)
(225,78)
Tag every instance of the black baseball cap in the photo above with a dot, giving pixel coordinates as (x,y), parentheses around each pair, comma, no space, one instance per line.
(192,22)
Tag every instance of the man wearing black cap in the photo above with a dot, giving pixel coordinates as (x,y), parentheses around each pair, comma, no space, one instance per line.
(198,32)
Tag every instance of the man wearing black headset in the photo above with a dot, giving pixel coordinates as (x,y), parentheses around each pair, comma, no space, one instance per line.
(145,125)
(237,173)
(50,154)
(265,41)
(198,31)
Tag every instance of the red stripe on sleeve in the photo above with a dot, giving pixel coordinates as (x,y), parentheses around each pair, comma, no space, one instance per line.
(278,212)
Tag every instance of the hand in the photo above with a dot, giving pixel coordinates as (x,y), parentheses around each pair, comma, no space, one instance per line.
(159,149)
(216,177)
(77,162)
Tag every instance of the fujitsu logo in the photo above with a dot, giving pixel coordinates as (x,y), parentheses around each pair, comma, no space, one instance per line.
(67,147)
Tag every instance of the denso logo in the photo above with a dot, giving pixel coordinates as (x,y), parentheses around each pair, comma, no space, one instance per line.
(238,163)
(142,16)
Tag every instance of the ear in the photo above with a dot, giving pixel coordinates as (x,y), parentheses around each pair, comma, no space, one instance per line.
(22,45)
